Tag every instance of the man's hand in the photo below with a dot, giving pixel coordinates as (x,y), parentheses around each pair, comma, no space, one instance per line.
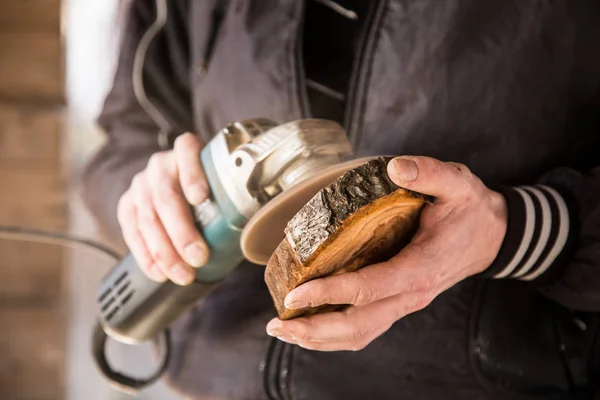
(155,214)
(460,235)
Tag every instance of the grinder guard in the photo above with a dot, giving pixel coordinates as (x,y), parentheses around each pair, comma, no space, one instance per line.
(247,164)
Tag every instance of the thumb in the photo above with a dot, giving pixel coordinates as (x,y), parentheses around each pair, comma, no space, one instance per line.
(429,176)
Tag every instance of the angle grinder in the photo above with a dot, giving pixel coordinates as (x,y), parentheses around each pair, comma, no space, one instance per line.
(260,174)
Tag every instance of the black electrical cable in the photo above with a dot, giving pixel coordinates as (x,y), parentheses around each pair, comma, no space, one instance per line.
(59,238)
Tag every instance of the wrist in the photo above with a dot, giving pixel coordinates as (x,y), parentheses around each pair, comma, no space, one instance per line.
(539,234)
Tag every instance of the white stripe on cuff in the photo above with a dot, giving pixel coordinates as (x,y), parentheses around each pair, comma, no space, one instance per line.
(561,239)
(527,235)
(545,228)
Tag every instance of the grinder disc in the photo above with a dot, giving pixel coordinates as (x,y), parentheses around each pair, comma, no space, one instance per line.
(265,231)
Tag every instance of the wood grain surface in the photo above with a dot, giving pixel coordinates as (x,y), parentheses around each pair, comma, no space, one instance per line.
(360,219)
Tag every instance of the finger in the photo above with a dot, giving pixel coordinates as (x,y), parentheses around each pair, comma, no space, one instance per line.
(429,176)
(127,216)
(175,213)
(158,243)
(356,324)
(362,287)
(331,346)
(191,175)
(327,346)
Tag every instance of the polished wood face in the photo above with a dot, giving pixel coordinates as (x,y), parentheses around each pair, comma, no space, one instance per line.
(360,219)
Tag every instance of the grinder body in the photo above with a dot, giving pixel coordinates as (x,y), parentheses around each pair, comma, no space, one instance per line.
(247,164)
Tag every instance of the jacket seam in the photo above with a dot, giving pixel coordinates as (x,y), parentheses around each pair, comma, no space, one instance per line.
(138,72)
(295,89)
(364,70)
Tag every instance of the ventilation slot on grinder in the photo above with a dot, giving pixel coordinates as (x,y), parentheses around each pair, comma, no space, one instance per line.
(116,296)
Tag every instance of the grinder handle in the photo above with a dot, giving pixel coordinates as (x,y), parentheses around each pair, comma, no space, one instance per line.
(135,309)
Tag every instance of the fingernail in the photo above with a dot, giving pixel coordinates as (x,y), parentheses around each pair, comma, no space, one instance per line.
(275,328)
(405,169)
(182,275)
(195,254)
(196,193)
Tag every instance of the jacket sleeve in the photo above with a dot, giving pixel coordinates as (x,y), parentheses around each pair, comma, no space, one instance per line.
(152,67)
(553,238)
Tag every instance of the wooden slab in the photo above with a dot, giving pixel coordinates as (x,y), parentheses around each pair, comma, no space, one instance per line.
(360,219)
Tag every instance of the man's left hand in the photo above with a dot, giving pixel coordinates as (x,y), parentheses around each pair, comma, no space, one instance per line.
(459,235)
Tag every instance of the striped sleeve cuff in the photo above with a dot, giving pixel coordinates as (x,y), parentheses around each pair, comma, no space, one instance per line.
(540,235)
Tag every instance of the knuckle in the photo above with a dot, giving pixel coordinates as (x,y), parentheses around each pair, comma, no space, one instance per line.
(460,167)
(358,346)
(166,195)
(427,281)
(356,333)
(425,300)
(164,261)
(365,292)
(436,169)
(433,279)
(414,304)
(157,255)
(123,207)
(149,218)
(470,182)
(156,161)
(145,267)
(304,331)
(362,296)
(191,177)
(137,180)
(186,142)
(319,293)
(420,303)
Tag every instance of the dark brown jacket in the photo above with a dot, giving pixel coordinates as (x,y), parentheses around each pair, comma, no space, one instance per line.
(511,88)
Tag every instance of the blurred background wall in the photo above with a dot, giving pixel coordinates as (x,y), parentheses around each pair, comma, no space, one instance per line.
(33,193)
(57,59)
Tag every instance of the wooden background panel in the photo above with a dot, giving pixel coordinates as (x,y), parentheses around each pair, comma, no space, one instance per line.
(30,136)
(31,66)
(30,15)
(33,198)
(33,194)
(32,348)
(31,272)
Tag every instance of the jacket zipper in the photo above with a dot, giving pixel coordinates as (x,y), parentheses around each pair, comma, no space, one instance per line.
(360,74)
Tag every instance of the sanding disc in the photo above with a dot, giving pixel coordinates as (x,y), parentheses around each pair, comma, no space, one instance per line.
(265,230)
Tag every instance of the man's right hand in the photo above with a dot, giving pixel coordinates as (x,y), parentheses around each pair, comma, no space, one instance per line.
(155,215)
